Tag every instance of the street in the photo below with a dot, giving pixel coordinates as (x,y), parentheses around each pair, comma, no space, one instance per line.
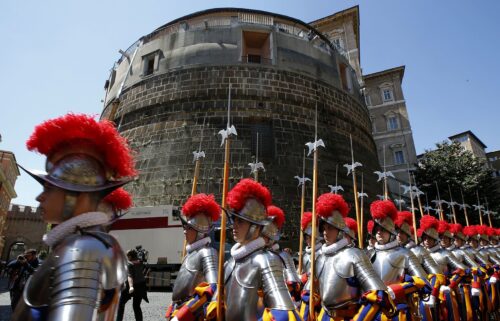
(154,310)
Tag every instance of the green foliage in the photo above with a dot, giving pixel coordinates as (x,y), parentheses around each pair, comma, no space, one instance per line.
(452,167)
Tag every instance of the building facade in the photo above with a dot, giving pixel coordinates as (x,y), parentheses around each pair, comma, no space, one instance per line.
(391,127)
(384,97)
(169,95)
(25,229)
(471,143)
(8,176)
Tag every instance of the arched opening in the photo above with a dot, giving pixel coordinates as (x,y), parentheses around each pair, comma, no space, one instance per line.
(16,249)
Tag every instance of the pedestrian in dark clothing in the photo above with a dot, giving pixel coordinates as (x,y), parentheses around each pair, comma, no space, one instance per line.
(135,288)
(19,272)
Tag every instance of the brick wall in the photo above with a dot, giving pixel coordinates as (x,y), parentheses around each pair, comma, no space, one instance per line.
(163,118)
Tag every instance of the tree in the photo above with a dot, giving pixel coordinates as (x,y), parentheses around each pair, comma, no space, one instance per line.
(453,168)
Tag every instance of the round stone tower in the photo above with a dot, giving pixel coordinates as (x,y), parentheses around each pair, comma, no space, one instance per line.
(169,95)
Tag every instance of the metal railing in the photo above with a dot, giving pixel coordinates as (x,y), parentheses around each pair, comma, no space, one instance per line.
(255,59)
(255,19)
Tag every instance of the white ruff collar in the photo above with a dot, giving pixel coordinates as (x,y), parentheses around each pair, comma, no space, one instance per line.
(387,246)
(410,245)
(435,248)
(451,248)
(335,247)
(239,251)
(68,227)
(318,248)
(275,247)
(196,245)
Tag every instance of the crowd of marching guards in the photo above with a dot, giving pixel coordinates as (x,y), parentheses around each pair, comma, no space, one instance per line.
(448,272)
(438,271)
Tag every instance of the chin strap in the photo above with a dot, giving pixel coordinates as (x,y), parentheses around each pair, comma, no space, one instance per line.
(69,204)
(251,232)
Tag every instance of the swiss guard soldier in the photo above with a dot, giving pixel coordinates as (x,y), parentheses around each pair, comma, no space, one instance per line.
(371,237)
(447,262)
(196,281)
(405,233)
(348,285)
(472,247)
(484,233)
(396,266)
(252,271)
(82,276)
(306,226)
(272,234)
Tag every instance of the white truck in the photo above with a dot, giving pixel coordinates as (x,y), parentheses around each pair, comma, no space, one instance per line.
(159,231)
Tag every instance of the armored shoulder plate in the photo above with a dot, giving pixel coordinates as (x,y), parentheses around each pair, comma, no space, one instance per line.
(209,263)
(276,294)
(426,260)
(291,274)
(412,265)
(198,266)
(81,271)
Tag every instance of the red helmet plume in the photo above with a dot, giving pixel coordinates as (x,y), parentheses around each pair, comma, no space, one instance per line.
(351,224)
(456,228)
(382,209)
(277,214)
(370,225)
(202,204)
(306,220)
(101,136)
(470,230)
(429,225)
(329,202)
(404,217)
(428,221)
(245,189)
(443,227)
(482,229)
(119,199)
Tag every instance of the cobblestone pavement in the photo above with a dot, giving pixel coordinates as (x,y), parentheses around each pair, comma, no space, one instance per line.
(154,310)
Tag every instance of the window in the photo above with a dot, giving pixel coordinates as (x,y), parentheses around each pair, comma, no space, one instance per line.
(256,47)
(374,126)
(338,43)
(368,100)
(392,122)
(345,77)
(387,94)
(150,63)
(461,139)
(399,157)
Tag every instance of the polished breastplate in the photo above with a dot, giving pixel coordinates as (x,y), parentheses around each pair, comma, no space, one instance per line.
(389,265)
(198,266)
(260,270)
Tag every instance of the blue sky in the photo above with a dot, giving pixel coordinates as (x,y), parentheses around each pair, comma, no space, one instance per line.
(56,56)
